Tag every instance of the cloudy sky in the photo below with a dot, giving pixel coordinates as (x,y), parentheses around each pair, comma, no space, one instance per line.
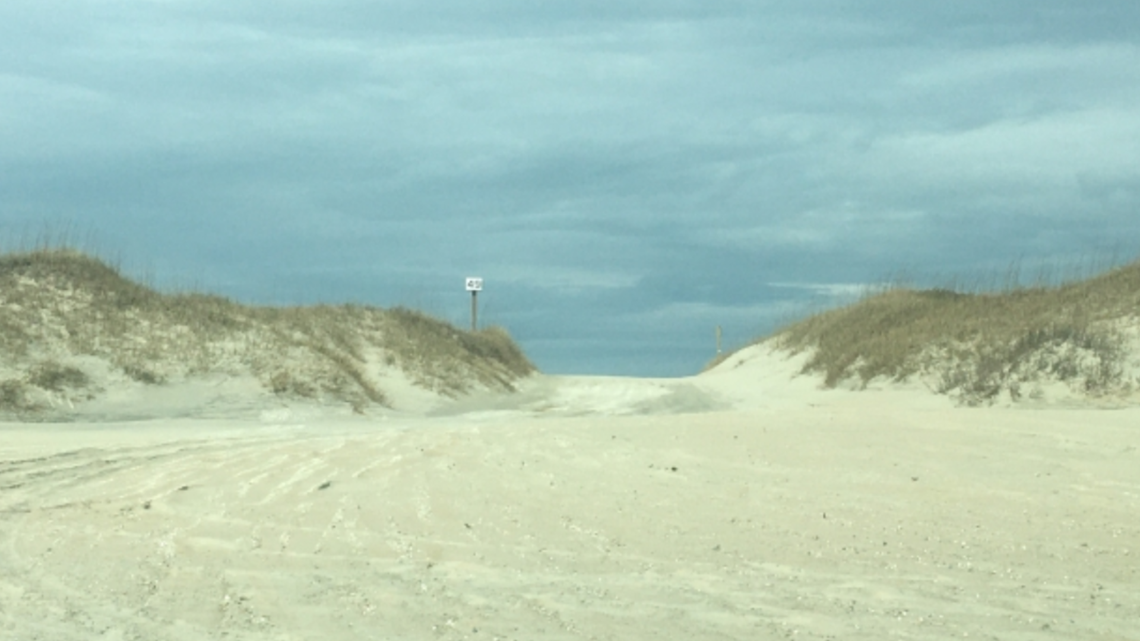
(625,174)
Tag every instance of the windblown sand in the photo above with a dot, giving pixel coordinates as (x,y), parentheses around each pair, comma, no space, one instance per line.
(572,515)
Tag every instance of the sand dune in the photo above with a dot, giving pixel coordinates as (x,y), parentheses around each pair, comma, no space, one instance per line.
(741,504)
(80,341)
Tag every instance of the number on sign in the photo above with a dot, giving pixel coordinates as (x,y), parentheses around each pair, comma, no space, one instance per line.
(474,284)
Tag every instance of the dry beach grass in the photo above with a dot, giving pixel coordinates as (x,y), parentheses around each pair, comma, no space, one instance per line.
(980,346)
(71,325)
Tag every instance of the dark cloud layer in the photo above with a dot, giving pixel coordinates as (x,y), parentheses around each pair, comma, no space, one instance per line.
(625,174)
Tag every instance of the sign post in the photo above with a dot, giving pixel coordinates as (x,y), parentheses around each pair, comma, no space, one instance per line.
(474,285)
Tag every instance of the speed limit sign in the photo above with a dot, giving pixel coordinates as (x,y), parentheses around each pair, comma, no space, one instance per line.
(474,284)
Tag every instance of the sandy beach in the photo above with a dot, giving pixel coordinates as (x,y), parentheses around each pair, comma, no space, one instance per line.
(581,509)
(683,320)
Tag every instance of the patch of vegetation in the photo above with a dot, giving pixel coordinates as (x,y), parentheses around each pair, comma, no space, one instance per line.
(430,348)
(977,345)
(13,395)
(141,374)
(52,376)
(283,383)
(1091,359)
(68,302)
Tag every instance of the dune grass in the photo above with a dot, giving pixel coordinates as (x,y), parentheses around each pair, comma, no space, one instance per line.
(976,346)
(59,304)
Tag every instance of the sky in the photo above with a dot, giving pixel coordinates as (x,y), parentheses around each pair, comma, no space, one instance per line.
(626,175)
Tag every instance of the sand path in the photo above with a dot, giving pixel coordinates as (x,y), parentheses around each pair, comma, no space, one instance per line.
(843,521)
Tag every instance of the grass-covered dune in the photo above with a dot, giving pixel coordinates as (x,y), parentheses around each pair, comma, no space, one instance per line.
(72,326)
(978,347)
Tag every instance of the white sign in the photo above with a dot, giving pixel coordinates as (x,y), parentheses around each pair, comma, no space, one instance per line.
(474,284)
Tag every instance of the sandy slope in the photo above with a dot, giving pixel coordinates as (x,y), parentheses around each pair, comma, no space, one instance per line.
(741,504)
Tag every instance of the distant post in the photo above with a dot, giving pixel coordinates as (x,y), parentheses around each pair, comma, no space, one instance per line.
(474,285)
(718,339)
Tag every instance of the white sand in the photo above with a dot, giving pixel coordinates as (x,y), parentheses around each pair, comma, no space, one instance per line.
(741,504)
